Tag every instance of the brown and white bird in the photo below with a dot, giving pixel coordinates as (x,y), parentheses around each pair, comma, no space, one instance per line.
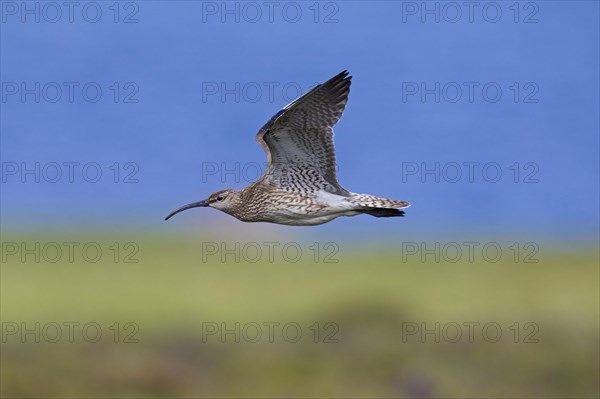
(299,186)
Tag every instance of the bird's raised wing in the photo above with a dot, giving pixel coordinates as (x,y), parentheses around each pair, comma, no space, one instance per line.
(298,140)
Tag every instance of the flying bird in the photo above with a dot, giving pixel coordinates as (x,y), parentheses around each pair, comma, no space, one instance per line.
(299,186)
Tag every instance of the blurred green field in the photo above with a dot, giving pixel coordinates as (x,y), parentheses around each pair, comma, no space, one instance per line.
(370,297)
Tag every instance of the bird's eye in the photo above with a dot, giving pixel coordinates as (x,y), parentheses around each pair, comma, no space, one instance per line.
(219,198)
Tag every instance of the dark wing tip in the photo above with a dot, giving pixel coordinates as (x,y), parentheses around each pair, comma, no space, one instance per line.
(384,212)
(342,77)
(337,89)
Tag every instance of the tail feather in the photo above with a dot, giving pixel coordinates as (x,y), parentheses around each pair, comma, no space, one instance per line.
(370,201)
(379,207)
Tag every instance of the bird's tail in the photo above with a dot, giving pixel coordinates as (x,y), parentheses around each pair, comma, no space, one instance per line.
(379,207)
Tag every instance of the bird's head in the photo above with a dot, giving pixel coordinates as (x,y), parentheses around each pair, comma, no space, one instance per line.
(223,200)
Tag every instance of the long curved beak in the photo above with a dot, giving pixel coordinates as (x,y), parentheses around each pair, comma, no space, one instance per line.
(188,206)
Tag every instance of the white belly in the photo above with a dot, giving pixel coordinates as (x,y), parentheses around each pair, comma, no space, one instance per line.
(326,207)
(312,221)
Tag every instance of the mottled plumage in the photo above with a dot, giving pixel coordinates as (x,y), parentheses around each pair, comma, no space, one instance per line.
(299,186)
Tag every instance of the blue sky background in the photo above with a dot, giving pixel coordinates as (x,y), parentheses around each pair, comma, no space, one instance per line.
(177,49)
